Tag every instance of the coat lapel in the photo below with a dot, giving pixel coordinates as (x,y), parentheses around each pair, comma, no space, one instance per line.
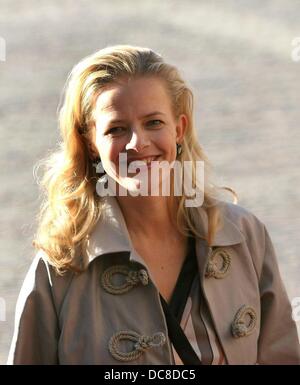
(110,235)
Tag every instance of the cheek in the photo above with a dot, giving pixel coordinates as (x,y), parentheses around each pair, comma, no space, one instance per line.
(108,149)
(166,141)
(108,153)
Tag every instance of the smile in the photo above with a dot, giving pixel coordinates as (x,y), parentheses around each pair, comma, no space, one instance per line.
(146,160)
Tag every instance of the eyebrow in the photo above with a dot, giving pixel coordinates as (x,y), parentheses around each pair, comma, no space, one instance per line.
(143,117)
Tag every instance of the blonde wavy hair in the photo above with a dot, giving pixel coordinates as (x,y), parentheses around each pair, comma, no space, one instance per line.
(72,207)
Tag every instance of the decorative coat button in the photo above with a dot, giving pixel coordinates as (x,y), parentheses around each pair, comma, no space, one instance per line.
(132,278)
(242,327)
(141,344)
(215,257)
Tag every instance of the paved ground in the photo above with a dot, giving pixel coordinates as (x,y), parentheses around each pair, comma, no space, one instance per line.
(237,59)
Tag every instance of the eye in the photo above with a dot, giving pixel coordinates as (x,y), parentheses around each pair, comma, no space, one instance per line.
(114,131)
(155,122)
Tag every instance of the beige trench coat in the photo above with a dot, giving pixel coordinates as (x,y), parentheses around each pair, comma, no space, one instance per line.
(74,319)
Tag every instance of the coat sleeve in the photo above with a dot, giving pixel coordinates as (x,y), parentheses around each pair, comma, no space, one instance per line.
(278,341)
(36,329)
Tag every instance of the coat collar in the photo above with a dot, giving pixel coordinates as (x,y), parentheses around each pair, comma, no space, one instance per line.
(110,235)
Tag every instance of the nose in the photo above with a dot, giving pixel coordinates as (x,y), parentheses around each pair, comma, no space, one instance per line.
(138,141)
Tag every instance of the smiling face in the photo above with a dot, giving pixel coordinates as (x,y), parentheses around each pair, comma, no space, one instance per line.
(135,117)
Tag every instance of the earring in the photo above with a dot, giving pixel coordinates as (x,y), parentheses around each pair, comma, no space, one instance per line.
(96,159)
(178,149)
(98,165)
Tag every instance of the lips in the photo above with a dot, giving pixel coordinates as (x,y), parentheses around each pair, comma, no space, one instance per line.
(145,159)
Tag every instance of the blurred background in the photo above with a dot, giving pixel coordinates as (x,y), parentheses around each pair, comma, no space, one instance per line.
(236,57)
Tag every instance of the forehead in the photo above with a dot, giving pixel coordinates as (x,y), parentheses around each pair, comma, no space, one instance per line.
(138,94)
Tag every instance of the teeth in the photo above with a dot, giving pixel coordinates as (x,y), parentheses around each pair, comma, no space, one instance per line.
(147,160)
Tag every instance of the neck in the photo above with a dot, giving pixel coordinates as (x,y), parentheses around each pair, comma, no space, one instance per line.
(148,217)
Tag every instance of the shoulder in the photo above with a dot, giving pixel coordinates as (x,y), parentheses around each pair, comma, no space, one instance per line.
(244,219)
(257,241)
(37,275)
(43,281)
(40,270)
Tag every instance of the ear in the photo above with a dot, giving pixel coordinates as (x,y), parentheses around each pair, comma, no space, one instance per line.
(181,126)
(89,140)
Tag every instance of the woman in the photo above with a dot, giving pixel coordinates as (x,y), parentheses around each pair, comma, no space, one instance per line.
(127,275)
